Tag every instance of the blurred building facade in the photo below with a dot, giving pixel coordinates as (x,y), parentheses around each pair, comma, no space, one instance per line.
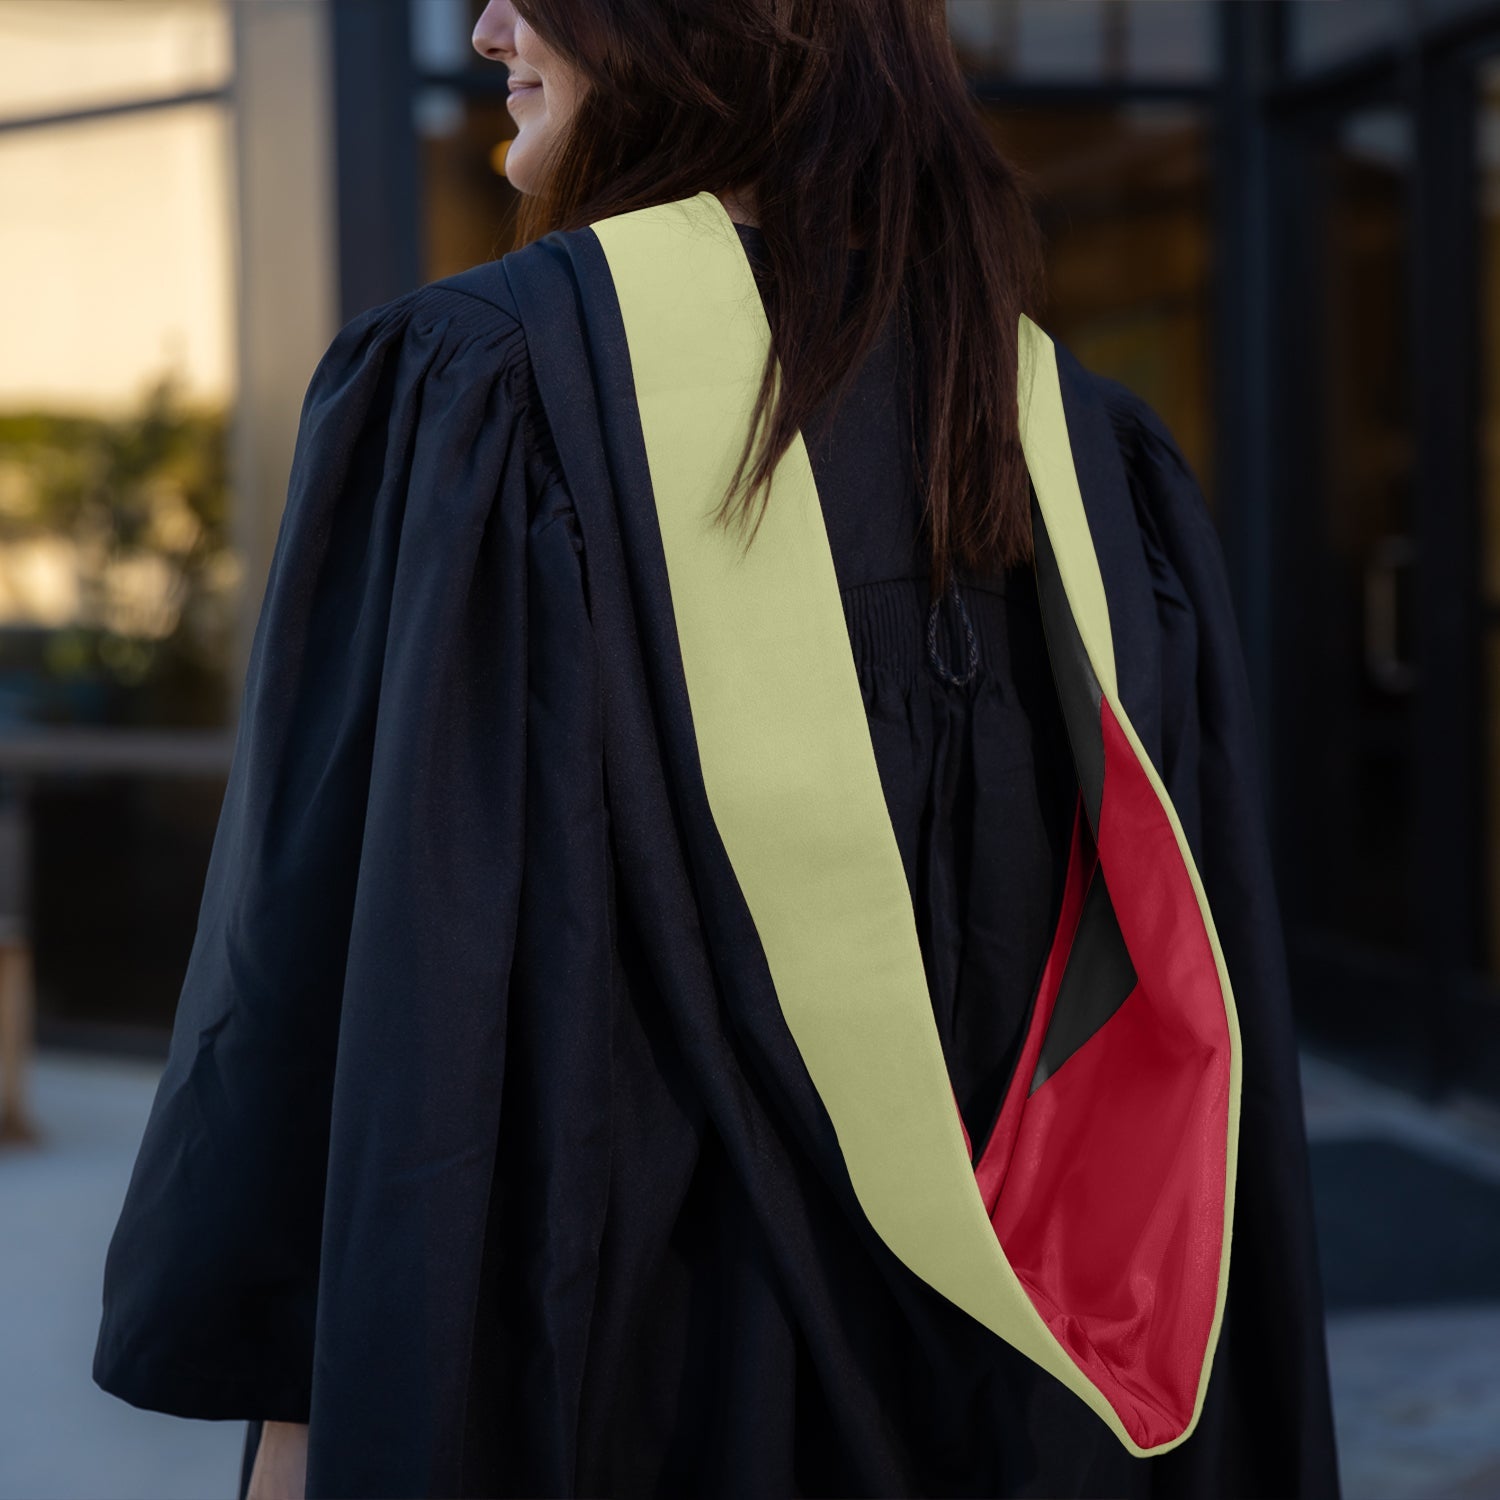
(1279,222)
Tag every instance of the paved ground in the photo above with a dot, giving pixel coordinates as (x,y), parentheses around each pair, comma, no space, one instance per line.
(61,1437)
(1417,1390)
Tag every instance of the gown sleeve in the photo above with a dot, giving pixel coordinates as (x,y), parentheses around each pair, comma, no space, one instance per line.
(1271,1372)
(334,1067)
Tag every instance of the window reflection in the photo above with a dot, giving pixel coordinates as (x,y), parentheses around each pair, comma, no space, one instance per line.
(1322,33)
(1124,206)
(1085,40)
(1487,153)
(120,589)
(117,578)
(440,35)
(62,55)
(470,205)
(1355,642)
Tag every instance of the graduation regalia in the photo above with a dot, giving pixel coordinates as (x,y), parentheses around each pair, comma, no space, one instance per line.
(555,1103)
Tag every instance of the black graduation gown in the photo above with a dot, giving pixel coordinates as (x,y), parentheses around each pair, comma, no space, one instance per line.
(482,1144)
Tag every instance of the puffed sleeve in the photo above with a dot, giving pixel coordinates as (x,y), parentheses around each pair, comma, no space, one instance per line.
(1270,1373)
(335,1064)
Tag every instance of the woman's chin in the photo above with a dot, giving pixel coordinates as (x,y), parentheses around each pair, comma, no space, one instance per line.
(519,169)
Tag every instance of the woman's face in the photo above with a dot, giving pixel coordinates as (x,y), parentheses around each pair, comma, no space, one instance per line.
(544,90)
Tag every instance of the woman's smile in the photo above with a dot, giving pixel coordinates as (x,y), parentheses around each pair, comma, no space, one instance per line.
(519,88)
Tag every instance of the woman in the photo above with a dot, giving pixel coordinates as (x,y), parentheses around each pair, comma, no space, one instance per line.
(521,1132)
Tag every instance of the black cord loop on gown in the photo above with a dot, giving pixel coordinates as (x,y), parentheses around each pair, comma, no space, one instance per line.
(934,658)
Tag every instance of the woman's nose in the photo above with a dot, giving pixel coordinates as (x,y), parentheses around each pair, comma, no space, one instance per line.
(495,30)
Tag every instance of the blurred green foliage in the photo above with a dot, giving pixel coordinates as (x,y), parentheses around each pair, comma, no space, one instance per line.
(118,580)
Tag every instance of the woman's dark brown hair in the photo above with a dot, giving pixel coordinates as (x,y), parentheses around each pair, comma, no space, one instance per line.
(841,121)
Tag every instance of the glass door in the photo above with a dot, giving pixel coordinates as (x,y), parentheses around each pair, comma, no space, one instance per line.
(1350,689)
(1478,990)
(1388,621)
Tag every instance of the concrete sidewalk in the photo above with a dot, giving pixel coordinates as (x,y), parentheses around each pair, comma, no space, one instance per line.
(1416,1389)
(61,1437)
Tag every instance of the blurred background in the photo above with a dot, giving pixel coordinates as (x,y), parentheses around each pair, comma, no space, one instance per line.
(1278,220)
